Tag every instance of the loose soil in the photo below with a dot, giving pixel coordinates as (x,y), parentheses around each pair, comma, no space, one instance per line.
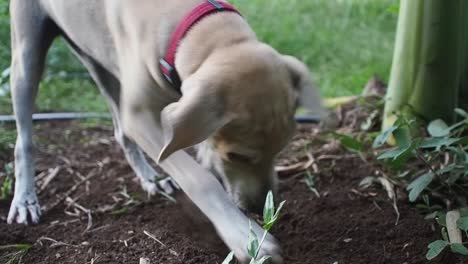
(344,224)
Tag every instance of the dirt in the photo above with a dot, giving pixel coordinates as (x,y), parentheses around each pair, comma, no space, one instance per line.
(342,224)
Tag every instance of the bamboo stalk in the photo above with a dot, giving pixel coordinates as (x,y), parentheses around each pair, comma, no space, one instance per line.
(428,62)
(405,57)
(435,93)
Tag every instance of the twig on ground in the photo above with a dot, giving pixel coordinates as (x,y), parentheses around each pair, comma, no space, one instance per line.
(144,261)
(97,229)
(72,202)
(56,223)
(95,258)
(173,252)
(297,167)
(154,238)
(90,175)
(52,174)
(55,243)
(389,187)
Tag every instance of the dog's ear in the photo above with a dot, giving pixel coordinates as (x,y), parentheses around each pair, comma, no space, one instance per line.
(197,115)
(303,85)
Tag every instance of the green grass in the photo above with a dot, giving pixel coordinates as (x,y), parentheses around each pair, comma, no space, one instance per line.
(344,43)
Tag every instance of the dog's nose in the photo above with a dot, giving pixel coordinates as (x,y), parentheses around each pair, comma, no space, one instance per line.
(255,207)
(256,202)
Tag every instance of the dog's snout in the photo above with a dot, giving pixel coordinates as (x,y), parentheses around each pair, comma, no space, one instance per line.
(255,202)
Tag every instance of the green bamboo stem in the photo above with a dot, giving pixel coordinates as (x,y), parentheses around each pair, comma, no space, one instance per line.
(435,93)
(405,58)
(428,60)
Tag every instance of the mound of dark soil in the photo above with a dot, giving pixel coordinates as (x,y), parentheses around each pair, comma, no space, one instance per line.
(343,224)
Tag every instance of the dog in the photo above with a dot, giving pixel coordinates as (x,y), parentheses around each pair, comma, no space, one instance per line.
(235,103)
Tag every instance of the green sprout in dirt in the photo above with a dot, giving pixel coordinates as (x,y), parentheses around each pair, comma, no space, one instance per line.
(443,156)
(7,138)
(309,180)
(437,175)
(6,188)
(14,253)
(270,216)
(452,234)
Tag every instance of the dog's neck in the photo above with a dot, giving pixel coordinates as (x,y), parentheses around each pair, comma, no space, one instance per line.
(215,32)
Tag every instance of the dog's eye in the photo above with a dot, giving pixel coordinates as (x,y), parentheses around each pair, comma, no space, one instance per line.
(236,157)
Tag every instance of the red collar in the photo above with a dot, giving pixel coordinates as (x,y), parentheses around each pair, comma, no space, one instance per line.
(167,64)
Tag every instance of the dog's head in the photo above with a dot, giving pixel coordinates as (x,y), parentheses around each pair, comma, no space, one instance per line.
(239,108)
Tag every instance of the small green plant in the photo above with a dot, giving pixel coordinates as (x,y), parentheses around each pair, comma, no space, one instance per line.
(7,186)
(435,171)
(442,172)
(7,138)
(270,216)
(309,180)
(17,252)
(454,243)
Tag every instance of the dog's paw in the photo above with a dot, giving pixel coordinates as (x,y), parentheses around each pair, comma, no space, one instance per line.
(23,206)
(168,185)
(149,187)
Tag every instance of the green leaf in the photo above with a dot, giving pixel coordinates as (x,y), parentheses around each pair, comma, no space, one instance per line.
(280,206)
(267,226)
(461,112)
(120,211)
(253,244)
(441,219)
(228,258)
(269,208)
(435,248)
(459,248)
(402,137)
(418,185)
(463,212)
(438,142)
(349,142)
(462,223)
(399,152)
(392,154)
(381,139)
(438,128)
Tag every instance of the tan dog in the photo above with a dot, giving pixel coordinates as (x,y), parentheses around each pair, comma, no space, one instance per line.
(237,105)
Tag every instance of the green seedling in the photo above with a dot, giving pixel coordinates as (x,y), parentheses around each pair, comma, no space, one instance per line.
(7,185)
(443,142)
(309,180)
(442,175)
(19,251)
(270,217)
(120,211)
(437,247)
(7,138)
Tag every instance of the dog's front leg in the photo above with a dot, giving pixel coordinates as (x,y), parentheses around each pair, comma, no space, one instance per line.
(141,124)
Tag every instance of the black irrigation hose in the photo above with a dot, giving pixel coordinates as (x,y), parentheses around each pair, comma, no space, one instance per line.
(71,116)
